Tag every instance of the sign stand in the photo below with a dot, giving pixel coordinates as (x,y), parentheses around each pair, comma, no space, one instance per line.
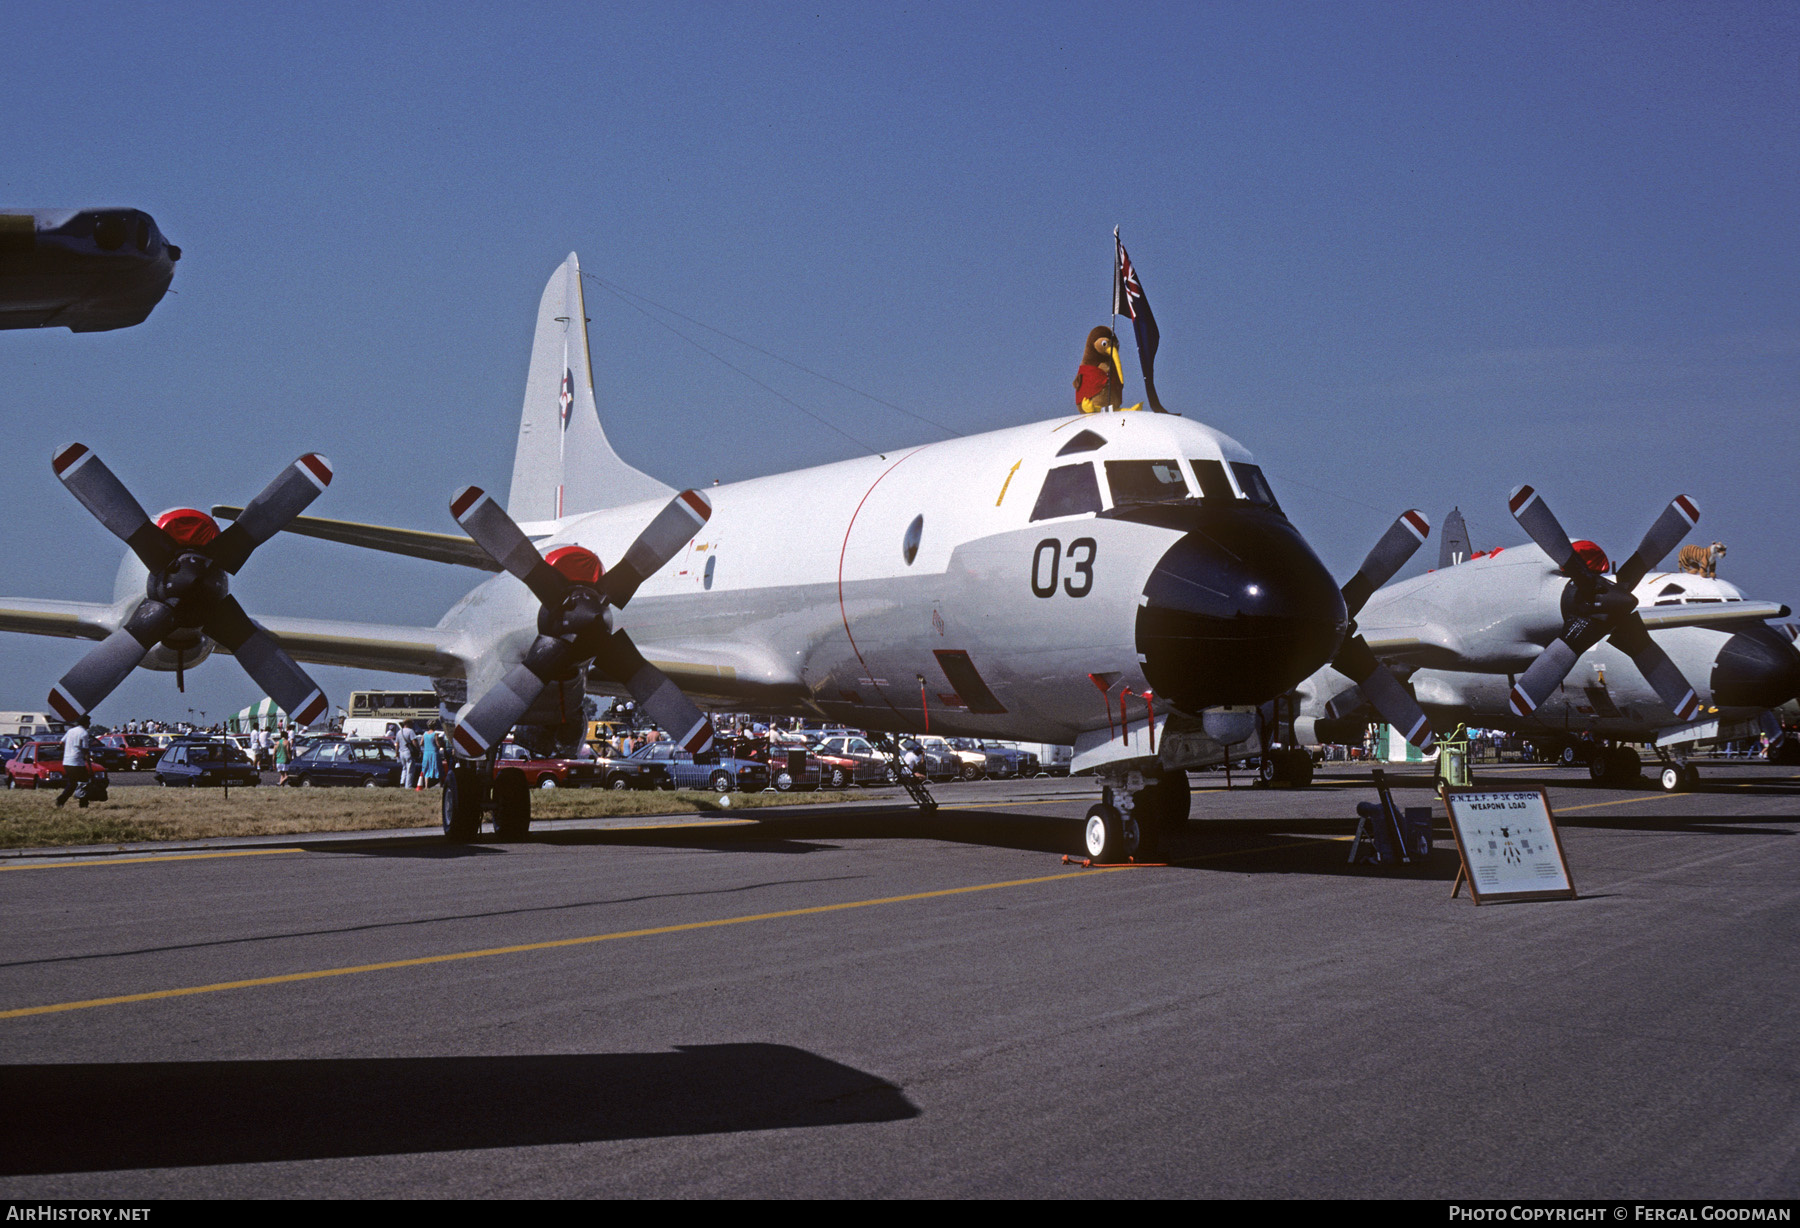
(1509,845)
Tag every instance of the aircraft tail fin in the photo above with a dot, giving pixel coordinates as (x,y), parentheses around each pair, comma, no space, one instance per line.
(1453,540)
(564,465)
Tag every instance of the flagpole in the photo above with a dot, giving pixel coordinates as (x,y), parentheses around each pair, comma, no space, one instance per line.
(1112,292)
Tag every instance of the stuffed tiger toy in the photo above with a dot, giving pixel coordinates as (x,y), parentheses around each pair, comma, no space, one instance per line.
(1702,560)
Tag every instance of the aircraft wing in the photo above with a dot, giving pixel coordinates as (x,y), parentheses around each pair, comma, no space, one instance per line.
(1710,613)
(73,620)
(413,543)
(425,651)
(1426,645)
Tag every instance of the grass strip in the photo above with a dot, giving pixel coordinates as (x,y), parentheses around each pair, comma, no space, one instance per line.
(141,814)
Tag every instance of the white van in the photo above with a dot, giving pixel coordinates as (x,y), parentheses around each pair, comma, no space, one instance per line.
(32,724)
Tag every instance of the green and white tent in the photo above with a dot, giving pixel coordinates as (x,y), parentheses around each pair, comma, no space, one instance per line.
(263,714)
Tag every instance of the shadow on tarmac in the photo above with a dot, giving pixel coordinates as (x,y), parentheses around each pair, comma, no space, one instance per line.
(103,1116)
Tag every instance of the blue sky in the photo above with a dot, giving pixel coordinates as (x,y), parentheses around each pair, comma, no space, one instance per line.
(1410,255)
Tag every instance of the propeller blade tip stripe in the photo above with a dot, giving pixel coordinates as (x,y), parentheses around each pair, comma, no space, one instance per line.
(64,705)
(1415,520)
(1689,508)
(69,457)
(469,742)
(1521,703)
(317,468)
(1412,735)
(697,504)
(698,738)
(464,500)
(1520,497)
(312,709)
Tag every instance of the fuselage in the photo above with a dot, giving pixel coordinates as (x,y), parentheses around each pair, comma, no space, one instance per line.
(1012,583)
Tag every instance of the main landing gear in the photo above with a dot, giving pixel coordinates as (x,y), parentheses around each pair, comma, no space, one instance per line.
(1136,815)
(472,791)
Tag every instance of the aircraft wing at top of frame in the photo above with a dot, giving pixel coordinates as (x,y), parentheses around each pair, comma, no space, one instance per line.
(86,270)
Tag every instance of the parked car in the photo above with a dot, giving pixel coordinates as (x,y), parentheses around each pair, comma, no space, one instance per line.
(38,765)
(346,761)
(128,752)
(547,773)
(620,772)
(719,772)
(940,761)
(205,762)
(974,759)
(1003,762)
(792,765)
(872,767)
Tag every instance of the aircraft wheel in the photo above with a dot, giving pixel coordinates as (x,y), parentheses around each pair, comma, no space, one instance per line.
(1103,835)
(719,782)
(1298,769)
(1690,777)
(1597,767)
(1671,778)
(1623,765)
(512,806)
(1173,799)
(1269,770)
(462,804)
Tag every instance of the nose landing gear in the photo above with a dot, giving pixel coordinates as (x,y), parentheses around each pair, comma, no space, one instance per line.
(1135,817)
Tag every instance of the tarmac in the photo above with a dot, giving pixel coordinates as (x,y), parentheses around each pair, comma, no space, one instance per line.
(867,1001)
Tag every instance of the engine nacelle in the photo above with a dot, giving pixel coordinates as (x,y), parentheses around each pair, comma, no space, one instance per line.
(165,659)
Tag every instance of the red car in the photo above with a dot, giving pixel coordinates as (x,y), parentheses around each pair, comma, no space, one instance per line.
(548,773)
(39,765)
(131,752)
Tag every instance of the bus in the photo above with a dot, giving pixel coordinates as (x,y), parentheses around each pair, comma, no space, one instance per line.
(369,713)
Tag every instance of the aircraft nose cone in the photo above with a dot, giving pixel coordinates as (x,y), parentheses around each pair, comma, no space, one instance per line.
(1237,612)
(1756,668)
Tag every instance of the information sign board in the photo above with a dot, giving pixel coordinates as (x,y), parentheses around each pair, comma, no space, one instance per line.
(1509,845)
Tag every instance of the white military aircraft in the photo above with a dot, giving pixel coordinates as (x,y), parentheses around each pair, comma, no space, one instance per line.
(1125,582)
(1547,641)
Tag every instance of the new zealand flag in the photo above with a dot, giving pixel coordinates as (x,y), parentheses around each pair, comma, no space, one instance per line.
(1129,300)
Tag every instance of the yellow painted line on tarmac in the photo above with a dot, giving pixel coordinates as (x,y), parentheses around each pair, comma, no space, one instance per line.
(1641,797)
(522,948)
(138,861)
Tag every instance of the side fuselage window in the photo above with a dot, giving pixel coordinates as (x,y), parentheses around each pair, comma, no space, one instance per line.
(1146,481)
(1069,490)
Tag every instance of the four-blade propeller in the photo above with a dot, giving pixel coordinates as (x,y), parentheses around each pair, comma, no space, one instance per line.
(188,593)
(1356,661)
(575,620)
(1595,607)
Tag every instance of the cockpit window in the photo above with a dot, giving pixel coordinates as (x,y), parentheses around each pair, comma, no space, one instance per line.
(1256,486)
(1213,482)
(1151,481)
(1070,490)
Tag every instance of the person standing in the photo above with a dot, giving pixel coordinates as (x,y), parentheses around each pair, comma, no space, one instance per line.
(406,743)
(76,745)
(430,763)
(284,751)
